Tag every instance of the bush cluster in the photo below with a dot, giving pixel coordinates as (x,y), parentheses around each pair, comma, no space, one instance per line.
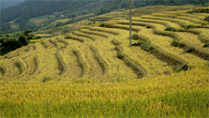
(10,43)
(207,18)
(200,10)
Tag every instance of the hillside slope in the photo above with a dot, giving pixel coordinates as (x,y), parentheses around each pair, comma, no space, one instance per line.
(94,72)
(21,14)
(103,51)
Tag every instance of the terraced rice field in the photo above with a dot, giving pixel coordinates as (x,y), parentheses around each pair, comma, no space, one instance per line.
(95,67)
(91,53)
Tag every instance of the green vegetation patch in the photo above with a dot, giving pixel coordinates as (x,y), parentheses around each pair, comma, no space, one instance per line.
(207,18)
(176,41)
(46,79)
(13,42)
(2,70)
(199,10)
(190,49)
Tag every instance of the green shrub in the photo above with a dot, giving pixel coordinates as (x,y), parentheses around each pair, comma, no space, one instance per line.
(46,79)
(177,43)
(105,25)
(27,32)
(138,43)
(119,54)
(188,26)
(171,29)
(173,16)
(59,24)
(179,68)
(135,37)
(206,45)
(9,44)
(2,70)
(200,10)
(190,12)
(115,42)
(23,40)
(207,18)
(146,46)
(63,47)
(30,36)
(37,37)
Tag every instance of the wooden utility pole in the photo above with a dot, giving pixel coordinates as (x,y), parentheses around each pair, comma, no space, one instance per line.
(130,23)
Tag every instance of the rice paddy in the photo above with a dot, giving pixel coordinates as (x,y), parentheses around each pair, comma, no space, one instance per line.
(94,72)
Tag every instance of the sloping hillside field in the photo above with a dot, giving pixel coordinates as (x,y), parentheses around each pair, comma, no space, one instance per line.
(94,72)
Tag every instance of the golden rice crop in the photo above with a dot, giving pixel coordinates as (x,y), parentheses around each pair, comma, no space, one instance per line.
(58,77)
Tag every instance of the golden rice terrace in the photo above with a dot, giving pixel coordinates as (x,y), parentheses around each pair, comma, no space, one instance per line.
(94,72)
(166,42)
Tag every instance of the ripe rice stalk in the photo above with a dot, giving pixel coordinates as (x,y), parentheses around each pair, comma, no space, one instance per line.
(80,61)
(105,30)
(136,67)
(62,66)
(99,59)
(94,33)
(83,35)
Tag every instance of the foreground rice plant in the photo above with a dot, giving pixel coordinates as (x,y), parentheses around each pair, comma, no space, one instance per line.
(184,94)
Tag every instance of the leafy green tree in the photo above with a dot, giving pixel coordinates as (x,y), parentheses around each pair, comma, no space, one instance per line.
(30,36)
(8,44)
(207,19)
(124,5)
(26,33)
(23,40)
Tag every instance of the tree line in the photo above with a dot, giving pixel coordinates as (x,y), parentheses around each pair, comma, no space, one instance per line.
(9,43)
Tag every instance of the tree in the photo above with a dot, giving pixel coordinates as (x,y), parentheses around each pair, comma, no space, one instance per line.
(27,32)
(207,19)
(8,44)
(23,40)
(30,36)
(124,5)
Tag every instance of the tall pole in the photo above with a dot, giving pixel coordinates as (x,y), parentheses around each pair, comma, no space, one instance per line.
(130,23)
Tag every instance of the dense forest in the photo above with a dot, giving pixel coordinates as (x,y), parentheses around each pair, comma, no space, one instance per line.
(9,3)
(24,11)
